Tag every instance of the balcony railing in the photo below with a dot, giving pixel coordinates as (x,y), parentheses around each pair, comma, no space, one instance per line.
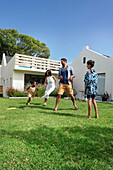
(36,62)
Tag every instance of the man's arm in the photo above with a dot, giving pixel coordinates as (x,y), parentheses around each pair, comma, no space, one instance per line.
(59,74)
(72,75)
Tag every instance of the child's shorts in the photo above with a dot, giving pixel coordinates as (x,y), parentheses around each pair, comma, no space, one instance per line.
(91,96)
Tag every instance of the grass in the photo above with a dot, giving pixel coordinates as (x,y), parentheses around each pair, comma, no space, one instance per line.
(36,137)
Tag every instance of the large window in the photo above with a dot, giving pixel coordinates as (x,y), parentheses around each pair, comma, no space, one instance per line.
(32,77)
(101,83)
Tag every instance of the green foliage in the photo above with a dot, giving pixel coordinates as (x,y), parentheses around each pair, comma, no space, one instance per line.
(11,92)
(36,137)
(41,90)
(105,95)
(12,42)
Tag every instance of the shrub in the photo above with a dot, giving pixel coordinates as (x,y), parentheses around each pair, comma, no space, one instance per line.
(11,92)
(41,90)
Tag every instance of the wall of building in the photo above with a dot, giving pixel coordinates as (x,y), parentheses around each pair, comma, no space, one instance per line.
(7,74)
(102,65)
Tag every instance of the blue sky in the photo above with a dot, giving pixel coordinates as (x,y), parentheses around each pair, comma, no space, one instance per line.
(66,26)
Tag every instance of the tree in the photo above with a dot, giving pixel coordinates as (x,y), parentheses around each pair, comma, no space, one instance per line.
(12,42)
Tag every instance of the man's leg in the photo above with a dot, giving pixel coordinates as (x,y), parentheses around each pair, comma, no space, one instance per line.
(57,101)
(73,100)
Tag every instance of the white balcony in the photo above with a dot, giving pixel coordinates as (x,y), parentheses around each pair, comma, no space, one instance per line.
(31,63)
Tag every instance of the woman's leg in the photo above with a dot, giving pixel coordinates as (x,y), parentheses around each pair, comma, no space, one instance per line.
(45,101)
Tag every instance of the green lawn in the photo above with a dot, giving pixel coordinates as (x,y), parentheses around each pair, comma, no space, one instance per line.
(36,137)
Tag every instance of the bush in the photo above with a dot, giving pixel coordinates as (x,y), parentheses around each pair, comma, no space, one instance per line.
(41,90)
(11,92)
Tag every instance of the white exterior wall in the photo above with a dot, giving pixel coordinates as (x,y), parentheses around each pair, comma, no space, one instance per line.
(18,80)
(102,65)
(6,74)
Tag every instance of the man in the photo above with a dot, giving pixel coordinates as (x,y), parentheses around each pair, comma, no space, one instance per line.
(66,75)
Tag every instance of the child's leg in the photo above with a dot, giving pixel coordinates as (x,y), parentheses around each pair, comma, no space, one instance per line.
(73,100)
(89,108)
(45,101)
(95,107)
(28,101)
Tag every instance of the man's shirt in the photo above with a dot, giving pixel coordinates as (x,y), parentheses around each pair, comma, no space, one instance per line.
(66,73)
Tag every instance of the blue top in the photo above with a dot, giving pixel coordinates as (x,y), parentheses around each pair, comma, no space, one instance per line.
(65,73)
(91,78)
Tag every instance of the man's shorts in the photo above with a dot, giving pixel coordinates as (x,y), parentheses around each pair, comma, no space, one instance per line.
(63,87)
(91,96)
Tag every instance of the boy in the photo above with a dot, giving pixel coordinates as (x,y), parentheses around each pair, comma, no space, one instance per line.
(32,91)
(91,78)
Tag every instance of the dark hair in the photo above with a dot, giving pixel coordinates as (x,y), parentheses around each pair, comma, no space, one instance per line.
(49,73)
(32,81)
(91,62)
(64,59)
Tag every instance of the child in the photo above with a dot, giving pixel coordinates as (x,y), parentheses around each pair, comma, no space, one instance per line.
(91,78)
(50,83)
(32,91)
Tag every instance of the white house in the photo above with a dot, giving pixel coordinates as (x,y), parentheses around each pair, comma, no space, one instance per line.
(103,66)
(18,70)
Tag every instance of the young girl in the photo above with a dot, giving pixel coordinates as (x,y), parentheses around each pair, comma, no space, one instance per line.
(32,91)
(91,78)
(50,83)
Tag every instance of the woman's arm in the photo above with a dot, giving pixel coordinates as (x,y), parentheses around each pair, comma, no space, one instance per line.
(45,82)
(55,81)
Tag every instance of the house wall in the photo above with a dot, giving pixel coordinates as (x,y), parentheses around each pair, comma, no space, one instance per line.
(6,74)
(102,65)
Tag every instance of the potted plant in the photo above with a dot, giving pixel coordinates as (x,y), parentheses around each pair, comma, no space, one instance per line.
(105,96)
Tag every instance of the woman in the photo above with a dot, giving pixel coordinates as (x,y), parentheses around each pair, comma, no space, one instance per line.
(50,83)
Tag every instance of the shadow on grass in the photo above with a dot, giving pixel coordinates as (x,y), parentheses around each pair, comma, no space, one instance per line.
(72,143)
(62,113)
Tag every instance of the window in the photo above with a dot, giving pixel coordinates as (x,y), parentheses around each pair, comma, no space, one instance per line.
(101,83)
(31,77)
(84,60)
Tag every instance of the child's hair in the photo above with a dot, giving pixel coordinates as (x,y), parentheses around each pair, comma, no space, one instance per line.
(32,82)
(91,62)
(49,73)
(64,59)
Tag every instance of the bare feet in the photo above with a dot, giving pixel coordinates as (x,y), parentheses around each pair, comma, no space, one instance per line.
(44,104)
(76,108)
(97,117)
(55,109)
(88,117)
